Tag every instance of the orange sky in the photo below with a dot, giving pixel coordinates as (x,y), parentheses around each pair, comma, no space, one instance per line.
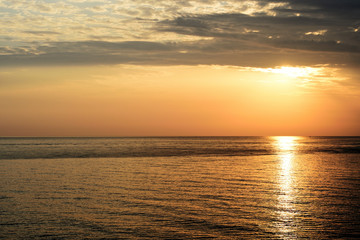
(182,100)
(170,68)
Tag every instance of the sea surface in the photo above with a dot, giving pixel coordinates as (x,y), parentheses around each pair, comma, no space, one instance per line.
(180,188)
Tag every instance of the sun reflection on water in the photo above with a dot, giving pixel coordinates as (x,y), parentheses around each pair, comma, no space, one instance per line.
(285,143)
(286,146)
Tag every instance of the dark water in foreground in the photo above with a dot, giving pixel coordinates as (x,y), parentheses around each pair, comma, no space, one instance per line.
(180,188)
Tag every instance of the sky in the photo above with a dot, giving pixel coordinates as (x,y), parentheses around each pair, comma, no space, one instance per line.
(179,68)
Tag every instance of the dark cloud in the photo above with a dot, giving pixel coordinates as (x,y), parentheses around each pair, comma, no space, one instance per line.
(105,47)
(86,52)
(294,32)
(349,9)
(42,32)
(311,27)
(225,52)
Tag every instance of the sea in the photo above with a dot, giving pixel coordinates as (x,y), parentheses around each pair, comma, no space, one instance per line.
(180,188)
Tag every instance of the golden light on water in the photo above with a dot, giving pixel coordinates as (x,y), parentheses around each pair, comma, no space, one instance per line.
(285,147)
(285,143)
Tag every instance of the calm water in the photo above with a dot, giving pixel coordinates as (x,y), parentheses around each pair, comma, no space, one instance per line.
(180,188)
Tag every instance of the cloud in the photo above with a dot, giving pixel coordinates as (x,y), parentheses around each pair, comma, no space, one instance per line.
(211,52)
(42,32)
(87,52)
(297,28)
(288,32)
(346,8)
(240,33)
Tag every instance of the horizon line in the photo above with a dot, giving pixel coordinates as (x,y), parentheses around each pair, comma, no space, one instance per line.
(179,136)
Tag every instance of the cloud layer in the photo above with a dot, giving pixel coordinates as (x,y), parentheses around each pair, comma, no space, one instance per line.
(248,33)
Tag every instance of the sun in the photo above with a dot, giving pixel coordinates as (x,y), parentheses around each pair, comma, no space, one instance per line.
(289,71)
(294,72)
